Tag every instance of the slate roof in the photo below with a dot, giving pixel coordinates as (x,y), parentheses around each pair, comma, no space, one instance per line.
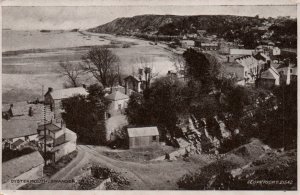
(15,127)
(17,143)
(269,74)
(116,95)
(142,131)
(17,166)
(67,93)
(241,51)
(51,127)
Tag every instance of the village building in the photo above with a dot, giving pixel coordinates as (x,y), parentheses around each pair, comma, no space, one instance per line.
(187,43)
(18,129)
(269,78)
(53,98)
(117,102)
(134,83)
(26,167)
(241,51)
(287,72)
(207,46)
(142,136)
(60,141)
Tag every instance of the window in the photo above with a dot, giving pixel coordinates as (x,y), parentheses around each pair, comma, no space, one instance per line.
(291,70)
(153,138)
(119,106)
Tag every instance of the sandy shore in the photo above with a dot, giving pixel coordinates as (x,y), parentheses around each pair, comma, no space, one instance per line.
(23,69)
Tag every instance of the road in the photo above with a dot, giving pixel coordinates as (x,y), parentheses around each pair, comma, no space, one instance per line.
(142,176)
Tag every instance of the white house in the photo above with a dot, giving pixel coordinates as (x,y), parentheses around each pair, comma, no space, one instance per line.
(60,141)
(118,101)
(187,43)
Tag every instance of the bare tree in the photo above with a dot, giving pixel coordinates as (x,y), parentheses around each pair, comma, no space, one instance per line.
(103,64)
(146,70)
(72,72)
(178,63)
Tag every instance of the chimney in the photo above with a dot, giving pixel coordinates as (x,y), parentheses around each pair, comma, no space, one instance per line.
(50,89)
(30,112)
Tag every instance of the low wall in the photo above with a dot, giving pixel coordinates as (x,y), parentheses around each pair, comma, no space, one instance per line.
(175,154)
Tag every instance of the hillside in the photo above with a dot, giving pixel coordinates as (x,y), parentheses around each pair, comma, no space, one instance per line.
(173,24)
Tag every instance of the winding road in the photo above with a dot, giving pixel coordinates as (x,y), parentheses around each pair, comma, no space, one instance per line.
(142,176)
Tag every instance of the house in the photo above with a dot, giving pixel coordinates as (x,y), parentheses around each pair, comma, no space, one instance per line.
(60,141)
(269,78)
(287,72)
(18,129)
(187,43)
(241,51)
(26,167)
(245,68)
(134,83)
(118,102)
(53,98)
(142,136)
(207,46)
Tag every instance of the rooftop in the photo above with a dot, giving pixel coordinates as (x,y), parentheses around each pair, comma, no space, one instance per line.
(51,127)
(17,166)
(67,93)
(142,131)
(271,73)
(241,51)
(116,95)
(16,127)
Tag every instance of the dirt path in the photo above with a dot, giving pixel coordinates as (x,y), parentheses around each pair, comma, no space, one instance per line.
(142,176)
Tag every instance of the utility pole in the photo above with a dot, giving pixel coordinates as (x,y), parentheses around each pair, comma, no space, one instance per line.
(45,141)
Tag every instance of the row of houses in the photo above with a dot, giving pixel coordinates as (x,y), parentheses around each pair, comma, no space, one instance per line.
(250,66)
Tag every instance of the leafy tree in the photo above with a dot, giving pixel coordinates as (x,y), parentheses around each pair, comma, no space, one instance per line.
(85,115)
(199,68)
(166,99)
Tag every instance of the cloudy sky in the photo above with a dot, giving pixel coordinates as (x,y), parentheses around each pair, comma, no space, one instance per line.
(26,18)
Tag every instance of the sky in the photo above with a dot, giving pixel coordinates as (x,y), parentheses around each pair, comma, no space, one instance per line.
(51,17)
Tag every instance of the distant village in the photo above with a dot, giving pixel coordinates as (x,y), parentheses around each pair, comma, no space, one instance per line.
(35,134)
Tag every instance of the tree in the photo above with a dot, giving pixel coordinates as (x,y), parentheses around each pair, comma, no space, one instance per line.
(85,115)
(167,99)
(146,69)
(72,72)
(199,68)
(103,64)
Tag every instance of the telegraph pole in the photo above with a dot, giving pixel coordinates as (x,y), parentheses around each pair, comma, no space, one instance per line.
(45,155)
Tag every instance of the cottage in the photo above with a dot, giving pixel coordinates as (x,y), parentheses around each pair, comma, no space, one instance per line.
(133,83)
(26,167)
(18,129)
(54,98)
(207,46)
(241,51)
(187,43)
(269,78)
(118,102)
(142,136)
(60,141)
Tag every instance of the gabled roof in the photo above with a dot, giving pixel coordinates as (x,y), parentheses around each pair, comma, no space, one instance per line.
(67,93)
(17,166)
(241,51)
(17,143)
(142,131)
(116,95)
(51,127)
(271,73)
(15,127)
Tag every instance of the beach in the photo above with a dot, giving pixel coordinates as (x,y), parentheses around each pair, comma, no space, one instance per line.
(28,67)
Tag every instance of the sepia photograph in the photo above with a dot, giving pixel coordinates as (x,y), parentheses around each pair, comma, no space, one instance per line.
(149,97)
